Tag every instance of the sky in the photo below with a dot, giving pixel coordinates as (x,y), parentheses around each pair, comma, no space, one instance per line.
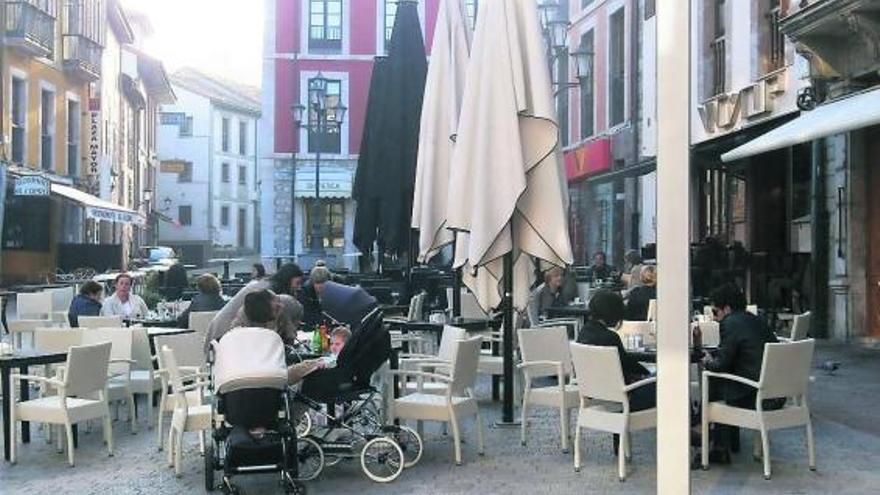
(222,37)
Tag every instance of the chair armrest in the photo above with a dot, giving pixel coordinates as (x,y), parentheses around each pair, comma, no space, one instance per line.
(784,339)
(420,374)
(409,355)
(42,379)
(123,360)
(640,383)
(731,377)
(194,386)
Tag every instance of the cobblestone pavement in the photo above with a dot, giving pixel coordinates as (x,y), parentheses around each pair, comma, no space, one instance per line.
(847,438)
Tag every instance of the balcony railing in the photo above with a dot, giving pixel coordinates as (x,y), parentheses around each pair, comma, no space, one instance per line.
(30,25)
(719,66)
(82,56)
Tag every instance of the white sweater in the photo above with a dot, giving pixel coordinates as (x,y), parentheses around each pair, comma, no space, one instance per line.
(114,307)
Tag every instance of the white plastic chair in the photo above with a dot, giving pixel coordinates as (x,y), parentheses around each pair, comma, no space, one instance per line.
(647,329)
(189,356)
(708,313)
(440,361)
(604,402)
(652,310)
(18,328)
(456,403)
(785,373)
(186,417)
(800,328)
(753,309)
(143,377)
(61,299)
(119,381)
(85,376)
(200,320)
(545,353)
(100,321)
(710,333)
(34,306)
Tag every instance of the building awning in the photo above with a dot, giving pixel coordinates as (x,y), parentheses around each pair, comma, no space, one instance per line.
(336,182)
(853,112)
(97,208)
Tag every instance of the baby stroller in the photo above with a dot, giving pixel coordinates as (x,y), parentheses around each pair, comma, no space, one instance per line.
(351,408)
(252,431)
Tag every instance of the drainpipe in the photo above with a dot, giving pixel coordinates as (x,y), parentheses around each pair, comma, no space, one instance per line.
(819,326)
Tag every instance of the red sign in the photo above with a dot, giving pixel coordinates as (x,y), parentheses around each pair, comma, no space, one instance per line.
(588,159)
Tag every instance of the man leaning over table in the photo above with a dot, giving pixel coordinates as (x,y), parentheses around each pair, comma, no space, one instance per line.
(123,302)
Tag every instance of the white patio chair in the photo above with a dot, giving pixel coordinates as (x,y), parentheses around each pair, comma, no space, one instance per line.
(61,298)
(439,362)
(752,308)
(189,356)
(186,417)
(34,306)
(800,328)
(492,365)
(647,329)
(85,376)
(100,321)
(785,373)
(710,333)
(708,313)
(604,401)
(652,310)
(545,353)
(456,403)
(200,320)
(144,379)
(119,380)
(18,328)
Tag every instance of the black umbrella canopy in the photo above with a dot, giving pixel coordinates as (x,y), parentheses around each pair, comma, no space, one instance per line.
(385,176)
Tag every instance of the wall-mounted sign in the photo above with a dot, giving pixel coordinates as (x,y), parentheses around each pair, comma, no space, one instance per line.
(723,112)
(336,182)
(173,166)
(109,215)
(32,185)
(588,159)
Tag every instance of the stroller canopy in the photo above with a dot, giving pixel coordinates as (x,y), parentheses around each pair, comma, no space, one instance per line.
(249,358)
(346,304)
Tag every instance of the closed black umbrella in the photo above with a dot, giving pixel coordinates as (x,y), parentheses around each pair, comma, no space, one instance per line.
(385,176)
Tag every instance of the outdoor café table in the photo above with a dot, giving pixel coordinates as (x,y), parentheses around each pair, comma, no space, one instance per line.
(468,324)
(151,323)
(22,360)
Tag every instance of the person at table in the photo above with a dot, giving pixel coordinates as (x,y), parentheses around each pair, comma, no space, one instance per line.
(632,268)
(86,303)
(599,270)
(639,298)
(287,280)
(740,352)
(310,296)
(123,302)
(208,298)
(258,271)
(606,312)
(287,314)
(549,294)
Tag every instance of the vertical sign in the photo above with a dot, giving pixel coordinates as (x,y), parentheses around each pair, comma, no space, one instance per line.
(94,156)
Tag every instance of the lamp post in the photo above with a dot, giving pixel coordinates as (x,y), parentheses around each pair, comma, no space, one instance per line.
(324,110)
(555,30)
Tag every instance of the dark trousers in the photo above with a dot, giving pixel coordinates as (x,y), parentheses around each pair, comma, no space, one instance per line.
(642,398)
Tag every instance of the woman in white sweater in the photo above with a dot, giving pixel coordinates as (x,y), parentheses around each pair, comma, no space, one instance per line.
(123,302)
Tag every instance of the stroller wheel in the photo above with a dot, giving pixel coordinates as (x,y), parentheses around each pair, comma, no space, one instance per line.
(382,460)
(309,458)
(209,465)
(410,444)
(293,487)
(304,425)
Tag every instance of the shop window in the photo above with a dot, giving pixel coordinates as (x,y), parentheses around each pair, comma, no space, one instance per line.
(334,224)
(26,223)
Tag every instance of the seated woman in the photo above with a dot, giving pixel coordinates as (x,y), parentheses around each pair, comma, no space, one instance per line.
(638,299)
(208,298)
(86,303)
(606,312)
(550,294)
(123,302)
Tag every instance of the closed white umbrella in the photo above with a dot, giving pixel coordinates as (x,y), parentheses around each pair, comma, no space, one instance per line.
(444,90)
(507,189)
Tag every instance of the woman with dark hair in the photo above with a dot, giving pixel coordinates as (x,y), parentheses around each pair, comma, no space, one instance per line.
(606,312)
(86,303)
(286,280)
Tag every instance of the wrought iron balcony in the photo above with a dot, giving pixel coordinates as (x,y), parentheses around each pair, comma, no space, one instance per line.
(30,26)
(82,56)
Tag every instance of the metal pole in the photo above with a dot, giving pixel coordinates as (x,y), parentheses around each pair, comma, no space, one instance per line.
(673,256)
(507,304)
(819,302)
(317,244)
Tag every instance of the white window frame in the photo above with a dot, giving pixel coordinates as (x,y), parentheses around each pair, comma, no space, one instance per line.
(47,86)
(15,73)
(304,77)
(585,27)
(73,97)
(611,9)
(304,28)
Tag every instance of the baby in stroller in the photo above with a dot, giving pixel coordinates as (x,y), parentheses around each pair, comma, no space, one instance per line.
(252,430)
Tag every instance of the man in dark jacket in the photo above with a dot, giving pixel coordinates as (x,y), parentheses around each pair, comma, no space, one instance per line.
(86,303)
(606,312)
(740,352)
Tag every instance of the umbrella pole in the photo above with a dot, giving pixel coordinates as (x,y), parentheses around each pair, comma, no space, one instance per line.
(456,286)
(507,347)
